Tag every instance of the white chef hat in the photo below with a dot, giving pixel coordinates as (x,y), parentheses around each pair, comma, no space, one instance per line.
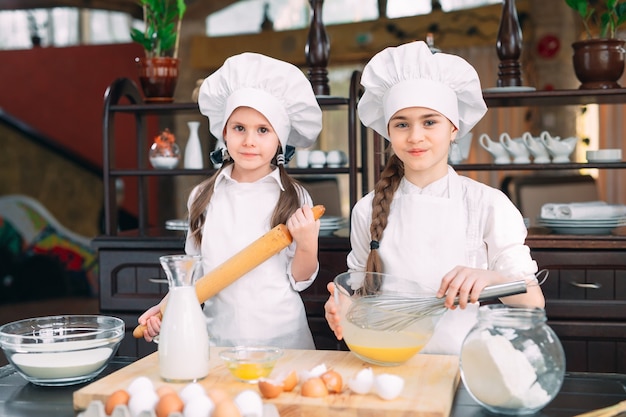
(410,75)
(278,90)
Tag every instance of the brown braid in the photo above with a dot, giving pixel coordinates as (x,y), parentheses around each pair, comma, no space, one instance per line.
(384,190)
(288,202)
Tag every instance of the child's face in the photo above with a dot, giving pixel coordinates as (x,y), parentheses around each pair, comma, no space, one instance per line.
(421,138)
(251,142)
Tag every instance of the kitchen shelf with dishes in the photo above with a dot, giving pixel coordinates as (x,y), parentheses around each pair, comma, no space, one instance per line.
(130,277)
(586,289)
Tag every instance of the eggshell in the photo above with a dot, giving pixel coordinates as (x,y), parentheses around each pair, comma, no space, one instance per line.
(314,372)
(119,397)
(199,406)
(270,388)
(314,387)
(249,403)
(190,391)
(362,382)
(139,384)
(333,381)
(388,386)
(290,381)
(169,403)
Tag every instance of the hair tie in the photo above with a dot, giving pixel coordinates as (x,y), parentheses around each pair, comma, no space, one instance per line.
(280,159)
(374,244)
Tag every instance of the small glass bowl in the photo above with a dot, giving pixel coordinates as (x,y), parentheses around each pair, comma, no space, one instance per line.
(61,350)
(251,363)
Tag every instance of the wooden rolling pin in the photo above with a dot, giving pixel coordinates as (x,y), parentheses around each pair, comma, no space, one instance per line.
(241,263)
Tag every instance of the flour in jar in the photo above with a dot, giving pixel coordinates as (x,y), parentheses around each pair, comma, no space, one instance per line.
(61,364)
(500,375)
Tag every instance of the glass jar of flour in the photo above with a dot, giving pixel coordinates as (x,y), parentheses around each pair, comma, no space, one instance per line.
(512,362)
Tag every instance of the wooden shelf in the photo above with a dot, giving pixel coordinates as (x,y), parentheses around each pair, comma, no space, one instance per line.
(555,98)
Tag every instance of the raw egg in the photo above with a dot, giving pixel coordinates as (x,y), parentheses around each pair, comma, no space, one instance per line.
(226,408)
(169,403)
(119,397)
(165,389)
(199,406)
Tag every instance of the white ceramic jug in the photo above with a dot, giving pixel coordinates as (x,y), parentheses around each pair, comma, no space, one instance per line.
(559,149)
(500,155)
(516,148)
(536,148)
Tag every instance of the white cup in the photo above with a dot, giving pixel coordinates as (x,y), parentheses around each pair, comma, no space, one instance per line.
(336,158)
(317,159)
(302,158)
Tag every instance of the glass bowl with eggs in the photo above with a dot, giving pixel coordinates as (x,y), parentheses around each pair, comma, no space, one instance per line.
(251,363)
(377,327)
(61,350)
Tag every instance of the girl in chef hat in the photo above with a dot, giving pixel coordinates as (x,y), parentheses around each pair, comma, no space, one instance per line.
(450,233)
(258,108)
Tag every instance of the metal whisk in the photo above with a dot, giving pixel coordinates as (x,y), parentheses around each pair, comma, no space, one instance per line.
(395,312)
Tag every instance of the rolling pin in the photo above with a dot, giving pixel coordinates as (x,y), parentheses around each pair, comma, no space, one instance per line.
(241,263)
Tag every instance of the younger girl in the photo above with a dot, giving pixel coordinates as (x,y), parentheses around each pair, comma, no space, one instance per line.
(256,106)
(424,222)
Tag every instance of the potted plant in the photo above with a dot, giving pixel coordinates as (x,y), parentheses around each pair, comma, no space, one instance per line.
(599,59)
(158,70)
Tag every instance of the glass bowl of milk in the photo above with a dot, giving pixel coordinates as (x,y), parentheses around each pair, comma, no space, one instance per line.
(61,350)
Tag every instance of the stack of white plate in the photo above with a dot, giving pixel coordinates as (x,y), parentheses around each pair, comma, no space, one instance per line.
(582,226)
(177,224)
(329,224)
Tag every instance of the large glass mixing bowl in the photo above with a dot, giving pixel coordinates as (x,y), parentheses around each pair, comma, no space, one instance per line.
(373,327)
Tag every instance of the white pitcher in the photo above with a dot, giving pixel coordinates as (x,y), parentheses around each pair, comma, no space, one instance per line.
(559,149)
(515,148)
(500,155)
(536,148)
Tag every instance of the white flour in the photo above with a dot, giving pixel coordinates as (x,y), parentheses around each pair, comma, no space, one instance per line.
(61,365)
(499,375)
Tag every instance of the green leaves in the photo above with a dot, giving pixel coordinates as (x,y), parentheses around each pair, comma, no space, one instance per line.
(612,16)
(161,19)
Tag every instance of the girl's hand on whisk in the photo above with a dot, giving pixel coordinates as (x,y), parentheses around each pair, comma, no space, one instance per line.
(332,313)
(467,284)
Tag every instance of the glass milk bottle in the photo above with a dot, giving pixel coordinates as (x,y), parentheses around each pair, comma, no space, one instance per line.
(183,340)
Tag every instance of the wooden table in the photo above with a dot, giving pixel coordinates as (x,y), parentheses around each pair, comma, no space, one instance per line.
(581,392)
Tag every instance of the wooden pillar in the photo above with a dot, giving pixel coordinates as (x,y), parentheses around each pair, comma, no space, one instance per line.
(317,51)
(509,47)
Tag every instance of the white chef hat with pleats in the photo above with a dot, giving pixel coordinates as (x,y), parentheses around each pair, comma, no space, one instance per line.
(410,75)
(278,90)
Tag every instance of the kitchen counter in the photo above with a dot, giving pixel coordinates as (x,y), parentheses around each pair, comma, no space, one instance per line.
(581,392)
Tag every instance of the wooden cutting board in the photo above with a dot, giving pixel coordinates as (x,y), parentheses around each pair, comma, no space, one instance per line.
(430,385)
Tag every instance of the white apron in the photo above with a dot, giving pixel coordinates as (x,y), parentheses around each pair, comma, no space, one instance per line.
(424,239)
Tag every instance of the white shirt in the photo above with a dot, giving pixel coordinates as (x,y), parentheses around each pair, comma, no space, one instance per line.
(453,221)
(263,306)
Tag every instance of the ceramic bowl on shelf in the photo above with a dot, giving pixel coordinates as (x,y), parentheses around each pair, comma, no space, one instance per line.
(604,155)
(61,350)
